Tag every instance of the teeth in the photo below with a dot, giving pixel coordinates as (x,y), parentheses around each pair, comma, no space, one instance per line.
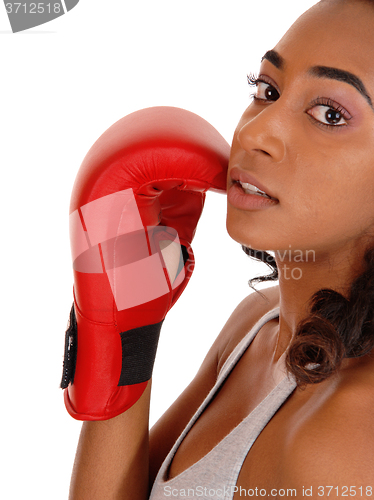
(251,189)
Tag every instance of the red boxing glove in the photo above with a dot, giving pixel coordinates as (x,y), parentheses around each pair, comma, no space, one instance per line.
(136,200)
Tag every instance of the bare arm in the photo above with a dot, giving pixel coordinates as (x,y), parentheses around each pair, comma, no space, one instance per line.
(112,457)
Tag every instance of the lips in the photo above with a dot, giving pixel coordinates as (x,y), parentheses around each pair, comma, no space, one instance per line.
(249,184)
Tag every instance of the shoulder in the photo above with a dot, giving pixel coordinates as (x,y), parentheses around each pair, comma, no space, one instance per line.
(243,318)
(171,424)
(332,442)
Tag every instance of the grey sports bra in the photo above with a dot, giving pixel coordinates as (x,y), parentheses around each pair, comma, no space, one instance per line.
(215,475)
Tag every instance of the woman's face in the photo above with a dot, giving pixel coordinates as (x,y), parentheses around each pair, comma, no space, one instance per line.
(307,139)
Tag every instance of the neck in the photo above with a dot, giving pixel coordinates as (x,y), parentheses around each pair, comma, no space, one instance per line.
(301,275)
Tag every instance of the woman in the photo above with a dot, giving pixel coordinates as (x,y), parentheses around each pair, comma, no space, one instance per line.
(301,183)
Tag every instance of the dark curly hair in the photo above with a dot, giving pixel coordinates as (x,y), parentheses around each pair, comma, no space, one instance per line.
(336,328)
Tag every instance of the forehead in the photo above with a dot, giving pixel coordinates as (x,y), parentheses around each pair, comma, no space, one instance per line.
(334,33)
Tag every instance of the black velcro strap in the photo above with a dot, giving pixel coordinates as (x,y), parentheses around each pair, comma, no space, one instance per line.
(70,357)
(139,348)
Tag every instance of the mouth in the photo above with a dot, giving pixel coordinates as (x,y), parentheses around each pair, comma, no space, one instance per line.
(252,189)
(249,184)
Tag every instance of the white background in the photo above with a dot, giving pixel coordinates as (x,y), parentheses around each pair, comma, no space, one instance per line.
(62,85)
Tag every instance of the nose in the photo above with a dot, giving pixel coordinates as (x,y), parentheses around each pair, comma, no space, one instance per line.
(263,133)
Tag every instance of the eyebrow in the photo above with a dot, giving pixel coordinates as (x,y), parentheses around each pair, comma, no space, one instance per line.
(342,76)
(275,59)
(324,72)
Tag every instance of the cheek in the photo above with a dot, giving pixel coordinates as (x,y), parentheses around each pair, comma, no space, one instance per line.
(334,201)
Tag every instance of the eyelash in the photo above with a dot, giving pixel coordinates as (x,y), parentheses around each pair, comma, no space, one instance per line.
(253,80)
(325,101)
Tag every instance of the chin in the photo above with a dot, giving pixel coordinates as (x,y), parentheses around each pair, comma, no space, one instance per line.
(247,235)
(247,232)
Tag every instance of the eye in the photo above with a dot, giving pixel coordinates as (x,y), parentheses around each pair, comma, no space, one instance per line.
(329,113)
(265,91)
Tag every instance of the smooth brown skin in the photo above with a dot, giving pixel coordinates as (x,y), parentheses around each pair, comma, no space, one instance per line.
(324,181)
